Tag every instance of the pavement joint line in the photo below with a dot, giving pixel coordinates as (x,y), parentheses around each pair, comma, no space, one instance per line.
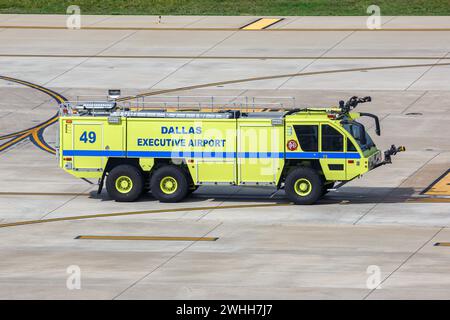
(49,100)
(223,201)
(420,168)
(145,238)
(87,59)
(386,22)
(414,102)
(301,74)
(63,204)
(229,29)
(119,214)
(194,22)
(404,262)
(99,21)
(296,19)
(165,262)
(100,56)
(193,59)
(386,196)
(426,71)
(315,60)
(364,214)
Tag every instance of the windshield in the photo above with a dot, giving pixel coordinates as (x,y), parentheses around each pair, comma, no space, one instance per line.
(357,130)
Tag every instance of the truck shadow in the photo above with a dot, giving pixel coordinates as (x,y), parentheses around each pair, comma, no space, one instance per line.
(347,195)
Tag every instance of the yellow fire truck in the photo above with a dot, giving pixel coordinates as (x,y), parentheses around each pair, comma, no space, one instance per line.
(170,153)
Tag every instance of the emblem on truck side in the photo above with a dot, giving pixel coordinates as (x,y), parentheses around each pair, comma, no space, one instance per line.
(292,145)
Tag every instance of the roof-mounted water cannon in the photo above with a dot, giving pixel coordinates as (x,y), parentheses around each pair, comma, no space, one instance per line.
(352,103)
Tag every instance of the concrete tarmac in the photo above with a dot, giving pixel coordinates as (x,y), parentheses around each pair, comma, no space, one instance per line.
(266,248)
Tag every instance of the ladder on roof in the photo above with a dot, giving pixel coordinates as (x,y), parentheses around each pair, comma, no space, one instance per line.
(198,103)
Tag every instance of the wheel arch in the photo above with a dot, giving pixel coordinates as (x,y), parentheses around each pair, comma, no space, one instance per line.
(292,164)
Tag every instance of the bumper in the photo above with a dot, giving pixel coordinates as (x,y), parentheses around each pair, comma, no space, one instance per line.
(388,154)
(375,160)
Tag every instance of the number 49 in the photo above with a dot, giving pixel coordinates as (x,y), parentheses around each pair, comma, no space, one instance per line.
(88,137)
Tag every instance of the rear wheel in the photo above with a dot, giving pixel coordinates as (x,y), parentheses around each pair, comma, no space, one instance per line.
(303,186)
(125,183)
(169,184)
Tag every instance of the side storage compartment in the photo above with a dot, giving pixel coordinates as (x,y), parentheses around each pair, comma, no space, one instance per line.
(260,151)
(206,146)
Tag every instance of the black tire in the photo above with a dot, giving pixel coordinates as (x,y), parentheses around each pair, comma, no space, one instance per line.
(124,174)
(170,173)
(297,180)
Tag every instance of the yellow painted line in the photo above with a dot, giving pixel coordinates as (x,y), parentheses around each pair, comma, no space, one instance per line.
(13,141)
(442,244)
(15,134)
(39,142)
(33,132)
(440,187)
(43,194)
(152,238)
(260,24)
(119,214)
(279,76)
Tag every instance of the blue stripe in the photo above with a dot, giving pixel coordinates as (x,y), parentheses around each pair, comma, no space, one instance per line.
(259,155)
(94,153)
(200,154)
(322,155)
(180,154)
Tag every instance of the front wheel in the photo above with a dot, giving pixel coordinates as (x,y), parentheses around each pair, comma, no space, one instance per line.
(125,183)
(303,186)
(169,184)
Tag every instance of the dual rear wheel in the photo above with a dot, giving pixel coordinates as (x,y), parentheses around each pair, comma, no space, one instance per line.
(125,183)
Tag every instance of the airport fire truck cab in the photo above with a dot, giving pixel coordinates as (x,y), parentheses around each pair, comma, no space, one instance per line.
(171,153)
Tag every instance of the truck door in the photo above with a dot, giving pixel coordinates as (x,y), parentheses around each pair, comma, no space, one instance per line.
(260,151)
(87,140)
(332,156)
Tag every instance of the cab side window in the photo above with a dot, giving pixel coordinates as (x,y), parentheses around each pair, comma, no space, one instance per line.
(332,140)
(308,137)
(350,146)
